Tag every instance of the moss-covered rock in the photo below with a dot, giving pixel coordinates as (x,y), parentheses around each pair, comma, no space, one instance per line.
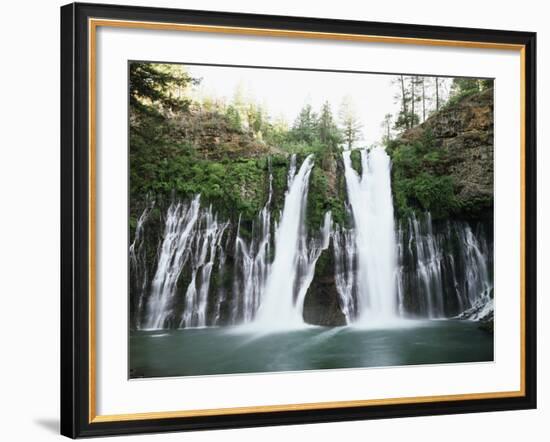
(445,165)
(321,304)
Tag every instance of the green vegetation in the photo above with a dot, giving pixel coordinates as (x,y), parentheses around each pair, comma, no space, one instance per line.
(417,181)
(355,157)
(154,86)
(427,176)
(421,170)
(225,151)
(465,87)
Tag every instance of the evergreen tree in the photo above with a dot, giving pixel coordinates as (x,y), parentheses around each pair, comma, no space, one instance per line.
(350,124)
(424,98)
(406,118)
(157,86)
(386,125)
(257,118)
(465,86)
(402,120)
(305,126)
(328,131)
(437,94)
(486,83)
(416,99)
(234,118)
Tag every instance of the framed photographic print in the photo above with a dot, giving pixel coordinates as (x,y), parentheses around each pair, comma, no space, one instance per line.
(276,220)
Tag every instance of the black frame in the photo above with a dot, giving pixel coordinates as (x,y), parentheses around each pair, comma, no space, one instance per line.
(75,220)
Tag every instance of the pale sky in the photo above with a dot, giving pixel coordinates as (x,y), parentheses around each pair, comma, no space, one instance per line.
(285,92)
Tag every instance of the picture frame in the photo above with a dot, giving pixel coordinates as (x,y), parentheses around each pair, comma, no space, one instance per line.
(79,243)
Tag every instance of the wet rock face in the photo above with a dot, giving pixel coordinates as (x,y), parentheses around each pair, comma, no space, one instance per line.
(214,138)
(321,305)
(445,268)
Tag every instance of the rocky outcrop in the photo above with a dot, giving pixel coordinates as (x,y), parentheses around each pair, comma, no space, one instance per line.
(321,305)
(463,131)
(213,137)
(483,312)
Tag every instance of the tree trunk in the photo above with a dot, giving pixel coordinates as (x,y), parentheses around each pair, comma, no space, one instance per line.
(436,93)
(403,96)
(423,100)
(411,121)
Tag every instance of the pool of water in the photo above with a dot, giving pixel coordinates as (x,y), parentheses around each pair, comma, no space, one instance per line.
(226,350)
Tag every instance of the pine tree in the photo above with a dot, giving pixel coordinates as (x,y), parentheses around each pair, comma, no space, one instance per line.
(465,86)
(328,131)
(407,117)
(424,98)
(305,125)
(416,97)
(386,125)
(436,93)
(158,86)
(350,124)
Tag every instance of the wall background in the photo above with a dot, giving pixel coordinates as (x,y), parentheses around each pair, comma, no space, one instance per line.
(29,220)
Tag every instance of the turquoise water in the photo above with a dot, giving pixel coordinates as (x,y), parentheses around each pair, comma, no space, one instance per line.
(209,351)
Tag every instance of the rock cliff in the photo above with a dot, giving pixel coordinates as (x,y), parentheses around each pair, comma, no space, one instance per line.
(455,143)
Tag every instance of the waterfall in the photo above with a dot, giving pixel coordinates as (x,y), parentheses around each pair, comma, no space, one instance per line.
(291,171)
(277,308)
(370,199)
(209,271)
(253,259)
(308,255)
(192,250)
(174,252)
(206,244)
(222,295)
(428,259)
(445,267)
(138,261)
(399,273)
(474,254)
(343,241)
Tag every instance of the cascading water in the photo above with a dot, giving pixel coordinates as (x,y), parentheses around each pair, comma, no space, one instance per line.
(208,272)
(254,264)
(193,239)
(429,266)
(474,254)
(139,273)
(308,255)
(174,252)
(278,308)
(343,241)
(447,269)
(371,203)
(207,241)
(222,293)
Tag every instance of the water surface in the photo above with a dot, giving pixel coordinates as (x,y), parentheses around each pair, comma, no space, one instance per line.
(208,351)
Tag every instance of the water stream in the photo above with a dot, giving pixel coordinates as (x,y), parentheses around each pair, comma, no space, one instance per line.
(371,203)
(278,308)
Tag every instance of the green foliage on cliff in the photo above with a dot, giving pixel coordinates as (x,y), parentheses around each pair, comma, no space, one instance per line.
(233,186)
(445,165)
(355,157)
(465,87)
(321,198)
(154,86)
(417,181)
